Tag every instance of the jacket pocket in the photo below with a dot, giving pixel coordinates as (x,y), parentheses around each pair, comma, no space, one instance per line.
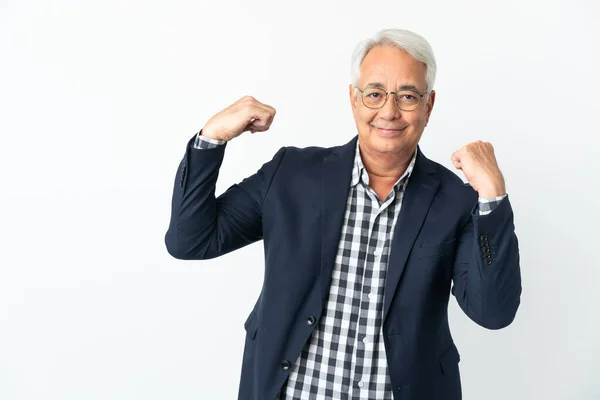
(251,325)
(432,250)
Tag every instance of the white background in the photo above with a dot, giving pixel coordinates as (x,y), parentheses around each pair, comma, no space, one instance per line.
(97,103)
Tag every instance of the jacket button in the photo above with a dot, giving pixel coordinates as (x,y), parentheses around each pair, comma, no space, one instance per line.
(311,320)
(285,365)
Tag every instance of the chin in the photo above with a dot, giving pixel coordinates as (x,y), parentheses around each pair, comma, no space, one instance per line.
(389,137)
(385,145)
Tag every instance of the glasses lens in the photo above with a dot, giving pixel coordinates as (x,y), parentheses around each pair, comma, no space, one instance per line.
(407,100)
(373,98)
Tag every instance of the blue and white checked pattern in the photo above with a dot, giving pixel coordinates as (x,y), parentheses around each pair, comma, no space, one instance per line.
(487,205)
(345,356)
(203,142)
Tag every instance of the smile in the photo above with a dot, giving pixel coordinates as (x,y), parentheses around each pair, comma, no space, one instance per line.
(390,131)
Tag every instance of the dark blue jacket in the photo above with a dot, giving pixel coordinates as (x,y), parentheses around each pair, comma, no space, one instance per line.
(295,203)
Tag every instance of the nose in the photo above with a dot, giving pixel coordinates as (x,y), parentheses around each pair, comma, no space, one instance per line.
(390,111)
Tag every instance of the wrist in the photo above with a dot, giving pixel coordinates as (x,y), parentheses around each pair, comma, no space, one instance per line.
(210,135)
(490,193)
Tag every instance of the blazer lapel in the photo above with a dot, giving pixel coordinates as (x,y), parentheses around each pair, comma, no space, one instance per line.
(417,199)
(337,174)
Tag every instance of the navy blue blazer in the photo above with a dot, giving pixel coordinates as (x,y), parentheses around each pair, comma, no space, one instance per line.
(295,203)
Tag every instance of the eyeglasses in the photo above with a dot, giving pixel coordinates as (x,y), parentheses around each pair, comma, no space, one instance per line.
(406,100)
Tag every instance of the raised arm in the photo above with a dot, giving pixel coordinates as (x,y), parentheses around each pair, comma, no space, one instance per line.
(203,226)
(487,272)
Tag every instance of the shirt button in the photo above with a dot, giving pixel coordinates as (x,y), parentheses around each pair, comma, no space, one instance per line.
(371,296)
(360,384)
(311,320)
(377,253)
(365,340)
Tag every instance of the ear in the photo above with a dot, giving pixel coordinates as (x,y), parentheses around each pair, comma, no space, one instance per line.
(352,94)
(429,106)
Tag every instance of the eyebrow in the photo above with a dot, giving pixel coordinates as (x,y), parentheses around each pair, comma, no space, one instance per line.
(403,87)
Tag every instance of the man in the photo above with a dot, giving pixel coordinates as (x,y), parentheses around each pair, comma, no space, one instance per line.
(362,241)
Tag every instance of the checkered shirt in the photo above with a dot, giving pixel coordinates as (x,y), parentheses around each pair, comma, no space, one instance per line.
(345,356)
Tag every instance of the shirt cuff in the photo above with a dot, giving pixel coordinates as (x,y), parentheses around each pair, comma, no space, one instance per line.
(203,143)
(487,205)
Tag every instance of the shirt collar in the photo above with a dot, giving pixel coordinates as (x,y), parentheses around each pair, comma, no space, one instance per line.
(359,172)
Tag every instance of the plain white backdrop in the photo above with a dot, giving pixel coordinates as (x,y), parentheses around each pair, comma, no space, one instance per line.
(97,103)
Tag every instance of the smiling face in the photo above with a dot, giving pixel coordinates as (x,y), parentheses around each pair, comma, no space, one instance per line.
(390,131)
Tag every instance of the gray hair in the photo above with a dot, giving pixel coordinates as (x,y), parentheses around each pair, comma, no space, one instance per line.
(410,42)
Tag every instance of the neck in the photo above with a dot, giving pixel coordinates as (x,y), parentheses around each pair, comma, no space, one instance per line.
(386,166)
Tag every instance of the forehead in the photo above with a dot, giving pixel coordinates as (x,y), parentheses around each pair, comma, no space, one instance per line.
(391,67)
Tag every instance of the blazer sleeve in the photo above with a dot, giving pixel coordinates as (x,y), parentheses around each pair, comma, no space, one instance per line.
(487,274)
(203,226)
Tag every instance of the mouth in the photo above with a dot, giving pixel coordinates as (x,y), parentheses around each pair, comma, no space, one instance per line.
(390,131)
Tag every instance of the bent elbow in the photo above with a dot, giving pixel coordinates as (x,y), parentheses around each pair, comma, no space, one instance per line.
(497,323)
(174,247)
(182,251)
(177,254)
(501,320)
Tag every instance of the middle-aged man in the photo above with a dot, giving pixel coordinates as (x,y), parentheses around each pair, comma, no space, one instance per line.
(361,241)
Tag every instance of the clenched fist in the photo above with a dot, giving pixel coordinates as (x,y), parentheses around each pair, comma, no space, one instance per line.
(246,114)
(478,162)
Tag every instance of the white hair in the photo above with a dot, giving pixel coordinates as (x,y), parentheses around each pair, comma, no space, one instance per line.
(408,41)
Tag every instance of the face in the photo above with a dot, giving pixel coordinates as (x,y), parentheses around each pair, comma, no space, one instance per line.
(388,130)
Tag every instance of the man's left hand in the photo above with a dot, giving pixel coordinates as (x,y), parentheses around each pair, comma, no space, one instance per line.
(478,162)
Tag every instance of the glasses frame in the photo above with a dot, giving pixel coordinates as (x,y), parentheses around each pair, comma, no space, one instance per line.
(386,97)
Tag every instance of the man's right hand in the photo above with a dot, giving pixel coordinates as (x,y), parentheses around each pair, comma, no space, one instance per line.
(246,114)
